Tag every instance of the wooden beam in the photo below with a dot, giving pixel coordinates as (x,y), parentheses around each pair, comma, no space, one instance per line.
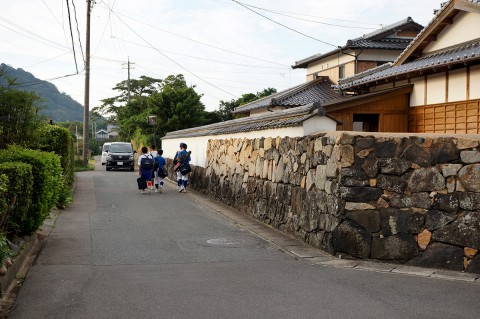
(466,6)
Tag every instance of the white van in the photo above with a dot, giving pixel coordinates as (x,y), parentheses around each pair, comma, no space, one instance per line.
(105,149)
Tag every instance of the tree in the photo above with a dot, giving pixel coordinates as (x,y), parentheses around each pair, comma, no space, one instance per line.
(177,106)
(19,117)
(227,107)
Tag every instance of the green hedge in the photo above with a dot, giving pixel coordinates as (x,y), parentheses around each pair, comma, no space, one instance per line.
(60,141)
(18,196)
(3,194)
(47,179)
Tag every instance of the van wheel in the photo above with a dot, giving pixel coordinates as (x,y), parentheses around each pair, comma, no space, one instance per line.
(109,168)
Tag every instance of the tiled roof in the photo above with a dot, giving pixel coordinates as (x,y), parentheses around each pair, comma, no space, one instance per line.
(438,13)
(374,40)
(286,118)
(262,125)
(319,90)
(458,54)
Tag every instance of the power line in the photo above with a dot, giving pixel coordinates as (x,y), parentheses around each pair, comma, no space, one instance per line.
(47,80)
(313,16)
(33,36)
(78,31)
(171,60)
(282,13)
(71,34)
(206,59)
(291,29)
(193,40)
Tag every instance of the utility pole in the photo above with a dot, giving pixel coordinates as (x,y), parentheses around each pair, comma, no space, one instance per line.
(86,106)
(129,66)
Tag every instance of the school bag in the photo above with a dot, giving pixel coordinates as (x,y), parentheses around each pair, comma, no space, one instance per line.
(146,163)
(142,183)
(180,159)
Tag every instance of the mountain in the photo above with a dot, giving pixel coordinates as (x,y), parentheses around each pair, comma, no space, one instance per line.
(58,106)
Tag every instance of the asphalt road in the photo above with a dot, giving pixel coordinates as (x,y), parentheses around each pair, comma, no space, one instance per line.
(116,253)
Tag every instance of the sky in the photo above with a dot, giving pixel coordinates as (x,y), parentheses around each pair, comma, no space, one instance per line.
(224,48)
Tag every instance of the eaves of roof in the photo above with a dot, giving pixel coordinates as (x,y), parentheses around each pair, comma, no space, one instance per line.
(442,18)
(460,54)
(318,90)
(286,118)
(373,40)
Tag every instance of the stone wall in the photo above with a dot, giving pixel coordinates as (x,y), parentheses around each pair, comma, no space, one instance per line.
(401,198)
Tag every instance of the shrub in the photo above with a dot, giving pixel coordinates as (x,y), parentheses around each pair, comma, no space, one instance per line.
(5,251)
(18,196)
(60,141)
(3,194)
(47,178)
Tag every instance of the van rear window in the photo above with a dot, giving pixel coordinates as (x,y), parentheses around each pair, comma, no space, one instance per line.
(106,147)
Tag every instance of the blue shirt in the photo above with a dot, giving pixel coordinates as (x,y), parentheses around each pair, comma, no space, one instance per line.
(161,161)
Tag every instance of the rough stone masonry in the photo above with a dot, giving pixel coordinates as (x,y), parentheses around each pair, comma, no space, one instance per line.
(402,198)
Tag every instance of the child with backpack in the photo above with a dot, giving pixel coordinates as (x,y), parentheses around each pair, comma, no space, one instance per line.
(145,164)
(182,167)
(160,172)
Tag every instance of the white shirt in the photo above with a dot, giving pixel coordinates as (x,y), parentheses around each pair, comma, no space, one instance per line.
(154,153)
(142,156)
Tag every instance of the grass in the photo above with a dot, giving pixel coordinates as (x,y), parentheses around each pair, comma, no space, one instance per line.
(79,167)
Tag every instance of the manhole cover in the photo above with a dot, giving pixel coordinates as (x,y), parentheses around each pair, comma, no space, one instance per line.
(225,241)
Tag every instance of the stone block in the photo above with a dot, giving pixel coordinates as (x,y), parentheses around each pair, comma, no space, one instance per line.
(353,177)
(436,219)
(426,180)
(370,166)
(469,177)
(368,219)
(347,157)
(446,202)
(401,246)
(450,169)
(466,143)
(416,200)
(352,239)
(469,201)
(321,177)
(360,194)
(395,221)
(363,143)
(267,143)
(439,255)
(385,149)
(391,183)
(423,239)
(328,222)
(462,232)
(443,150)
(394,166)
(358,206)
(474,266)
(310,179)
(470,157)
(417,154)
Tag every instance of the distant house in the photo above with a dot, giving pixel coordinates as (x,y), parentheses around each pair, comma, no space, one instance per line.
(362,53)
(442,69)
(100,135)
(112,130)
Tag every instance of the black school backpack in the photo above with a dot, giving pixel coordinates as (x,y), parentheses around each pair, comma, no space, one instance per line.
(146,163)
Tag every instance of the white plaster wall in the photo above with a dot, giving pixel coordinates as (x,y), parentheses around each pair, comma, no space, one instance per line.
(465,28)
(198,145)
(418,94)
(329,62)
(318,124)
(436,88)
(457,85)
(475,82)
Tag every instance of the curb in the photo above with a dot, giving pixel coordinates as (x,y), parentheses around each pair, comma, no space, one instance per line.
(316,256)
(10,282)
